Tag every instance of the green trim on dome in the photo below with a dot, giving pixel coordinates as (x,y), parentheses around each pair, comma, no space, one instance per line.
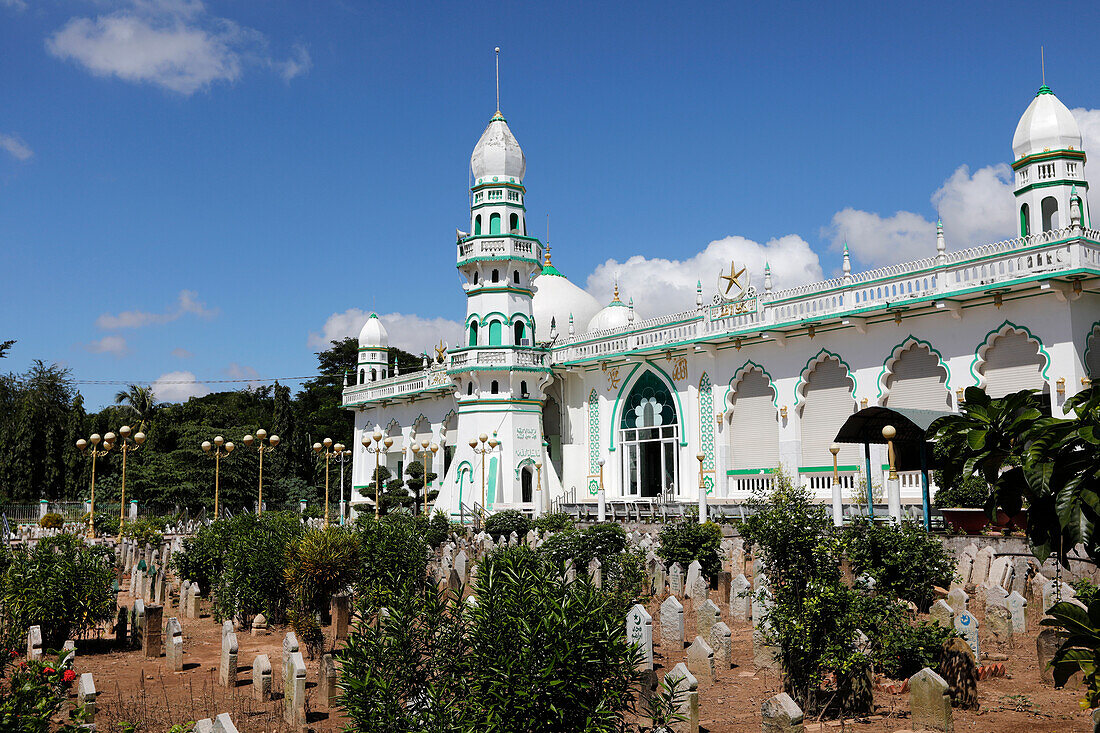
(1042,90)
(499,117)
(551,270)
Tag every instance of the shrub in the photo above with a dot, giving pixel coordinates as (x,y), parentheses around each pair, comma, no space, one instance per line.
(52,520)
(395,558)
(971,492)
(1084,590)
(553,522)
(319,564)
(437,530)
(904,560)
(504,523)
(145,530)
(32,694)
(440,664)
(61,585)
(686,541)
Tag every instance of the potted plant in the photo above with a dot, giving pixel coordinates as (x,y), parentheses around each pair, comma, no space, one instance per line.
(963,504)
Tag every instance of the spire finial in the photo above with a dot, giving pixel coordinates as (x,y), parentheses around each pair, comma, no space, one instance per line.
(1043,64)
(497,52)
(546,257)
(616,290)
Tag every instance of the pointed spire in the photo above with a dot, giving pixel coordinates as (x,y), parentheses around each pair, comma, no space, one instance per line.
(630,317)
(767,277)
(941,244)
(546,257)
(571,325)
(847,266)
(698,293)
(616,298)
(1074,208)
(553,327)
(497,52)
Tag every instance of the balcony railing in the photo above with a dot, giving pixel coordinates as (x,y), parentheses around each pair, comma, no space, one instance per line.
(435,377)
(504,245)
(490,357)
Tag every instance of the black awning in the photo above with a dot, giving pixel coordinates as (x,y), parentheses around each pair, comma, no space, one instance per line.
(912,426)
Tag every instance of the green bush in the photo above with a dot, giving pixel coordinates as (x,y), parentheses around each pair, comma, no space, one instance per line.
(61,585)
(686,541)
(904,560)
(438,529)
(1084,590)
(436,663)
(553,522)
(145,530)
(504,523)
(52,520)
(32,694)
(603,541)
(395,556)
(319,564)
(968,493)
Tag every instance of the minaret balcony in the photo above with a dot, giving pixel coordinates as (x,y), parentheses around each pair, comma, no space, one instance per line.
(499,247)
(510,357)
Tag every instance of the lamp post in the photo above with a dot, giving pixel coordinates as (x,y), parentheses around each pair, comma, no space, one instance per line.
(538,489)
(273,441)
(838,509)
(376,444)
(343,506)
(487,446)
(427,450)
(218,447)
(328,447)
(601,496)
(893,483)
(108,444)
(139,438)
(702,489)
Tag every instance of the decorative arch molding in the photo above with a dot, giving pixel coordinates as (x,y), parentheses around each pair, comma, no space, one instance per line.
(1006,328)
(525,462)
(735,381)
(392,424)
(1094,331)
(489,317)
(467,468)
(804,375)
(706,430)
(472,318)
(895,354)
(628,384)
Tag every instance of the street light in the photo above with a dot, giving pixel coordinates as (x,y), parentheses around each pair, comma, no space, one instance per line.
(538,489)
(342,454)
(601,496)
(273,441)
(488,445)
(108,444)
(702,489)
(329,448)
(427,450)
(139,438)
(218,446)
(838,509)
(376,444)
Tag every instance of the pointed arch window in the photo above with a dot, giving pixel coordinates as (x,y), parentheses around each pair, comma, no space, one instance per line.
(470,387)
(477,225)
(494,224)
(513,223)
(496,276)
(519,332)
(1050,213)
(494,388)
(473,333)
(515,277)
(650,433)
(1025,220)
(495,329)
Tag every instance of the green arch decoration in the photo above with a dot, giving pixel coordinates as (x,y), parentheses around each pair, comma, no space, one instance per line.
(623,389)
(738,375)
(983,347)
(895,354)
(800,388)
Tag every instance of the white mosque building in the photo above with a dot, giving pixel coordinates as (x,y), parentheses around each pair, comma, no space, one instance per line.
(570,394)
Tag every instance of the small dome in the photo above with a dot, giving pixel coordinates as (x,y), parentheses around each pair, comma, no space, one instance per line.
(557,298)
(616,315)
(373,333)
(497,154)
(1047,124)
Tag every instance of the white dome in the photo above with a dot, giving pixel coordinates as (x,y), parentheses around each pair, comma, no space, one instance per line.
(557,298)
(373,333)
(497,154)
(1047,124)
(616,315)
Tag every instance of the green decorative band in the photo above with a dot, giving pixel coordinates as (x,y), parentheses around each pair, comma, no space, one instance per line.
(509,204)
(1048,155)
(467,260)
(750,472)
(506,289)
(827,469)
(497,184)
(1049,184)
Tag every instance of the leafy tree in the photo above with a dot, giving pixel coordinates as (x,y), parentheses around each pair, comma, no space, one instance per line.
(139,402)
(415,485)
(395,555)
(904,560)
(5,346)
(319,564)
(686,541)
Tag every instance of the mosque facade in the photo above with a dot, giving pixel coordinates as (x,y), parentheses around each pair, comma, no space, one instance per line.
(550,396)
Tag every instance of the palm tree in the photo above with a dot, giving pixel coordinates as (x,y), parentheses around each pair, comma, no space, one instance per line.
(138,400)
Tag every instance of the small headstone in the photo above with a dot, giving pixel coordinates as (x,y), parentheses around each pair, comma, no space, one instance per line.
(570,571)
(294,691)
(676,580)
(595,572)
(781,714)
(460,565)
(998,625)
(454,581)
(982,561)
(227,669)
(86,696)
(1017,607)
(740,600)
(707,615)
(224,724)
(959,670)
(963,568)
(68,654)
(700,660)
(967,626)
(261,678)
(685,687)
(995,595)
(1046,644)
(695,569)
(1000,573)
(290,645)
(639,630)
(173,648)
(721,643)
(958,600)
(137,623)
(193,601)
(34,642)
(672,623)
(151,639)
(659,579)
(724,581)
(121,625)
(942,614)
(341,615)
(930,702)
(698,590)
(326,679)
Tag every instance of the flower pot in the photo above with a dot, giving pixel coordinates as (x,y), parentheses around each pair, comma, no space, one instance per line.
(968,521)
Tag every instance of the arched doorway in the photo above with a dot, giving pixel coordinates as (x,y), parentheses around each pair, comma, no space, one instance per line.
(649,432)
(526,485)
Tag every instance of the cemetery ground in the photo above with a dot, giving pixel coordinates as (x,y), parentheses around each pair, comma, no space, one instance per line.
(139,690)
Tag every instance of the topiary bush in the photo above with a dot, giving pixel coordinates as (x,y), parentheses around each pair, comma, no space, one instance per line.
(51,520)
(438,529)
(553,522)
(686,541)
(904,560)
(504,523)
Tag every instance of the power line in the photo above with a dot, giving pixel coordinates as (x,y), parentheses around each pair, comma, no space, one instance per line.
(256,380)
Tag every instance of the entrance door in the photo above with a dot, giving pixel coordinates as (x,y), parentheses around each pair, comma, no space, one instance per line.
(649,435)
(525,484)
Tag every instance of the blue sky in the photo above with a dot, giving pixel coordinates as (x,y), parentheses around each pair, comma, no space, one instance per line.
(209,190)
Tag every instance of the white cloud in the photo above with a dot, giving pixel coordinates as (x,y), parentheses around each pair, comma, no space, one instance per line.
(1089,122)
(661,286)
(407,331)
(236,371)
(976,208)
(15,145)
(14,4)
(178,387)
(186,303)
(297,64)
(174,44)
(181,353)
(114,345)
